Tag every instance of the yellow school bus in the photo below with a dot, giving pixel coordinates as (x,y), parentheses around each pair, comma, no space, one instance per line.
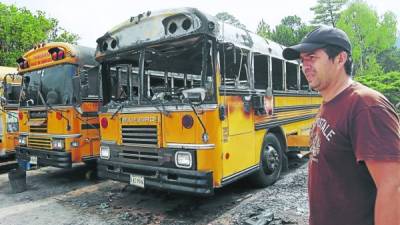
(9,94)
(59,101)
(192,104)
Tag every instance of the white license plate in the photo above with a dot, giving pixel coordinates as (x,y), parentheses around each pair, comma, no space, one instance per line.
(137,180)
(33,160)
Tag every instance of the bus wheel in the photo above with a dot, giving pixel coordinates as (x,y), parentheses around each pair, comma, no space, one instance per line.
(271,162)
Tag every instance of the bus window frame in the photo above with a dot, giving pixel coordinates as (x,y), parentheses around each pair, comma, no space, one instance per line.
(286,63)
(249,82)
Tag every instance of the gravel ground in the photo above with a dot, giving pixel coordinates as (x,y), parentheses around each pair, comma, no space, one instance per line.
(56,196)
(285,202)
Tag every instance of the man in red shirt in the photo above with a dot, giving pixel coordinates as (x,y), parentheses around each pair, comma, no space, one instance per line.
(354,168)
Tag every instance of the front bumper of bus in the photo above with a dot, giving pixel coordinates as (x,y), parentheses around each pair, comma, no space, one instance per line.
(158,177)
(44,157)
(7,154)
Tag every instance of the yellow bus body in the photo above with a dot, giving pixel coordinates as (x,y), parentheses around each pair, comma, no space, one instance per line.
(248,131)
(9,113)
(74,125)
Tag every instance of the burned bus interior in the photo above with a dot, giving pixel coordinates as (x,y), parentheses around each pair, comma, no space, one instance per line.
(168,69)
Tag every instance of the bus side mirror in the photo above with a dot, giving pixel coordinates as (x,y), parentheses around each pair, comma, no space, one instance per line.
(93,81)
(26,81)
(259,105)
(76,85)
(84,83)
(3,101)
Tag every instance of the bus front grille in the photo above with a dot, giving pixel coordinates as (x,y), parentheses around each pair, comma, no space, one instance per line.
(38,128)
(140,155)
(140,135)
(39,142)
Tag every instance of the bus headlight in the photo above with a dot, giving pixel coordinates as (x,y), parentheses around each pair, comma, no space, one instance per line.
(74,144)
(183,159)
(104,152)
(57,144)
(22,140)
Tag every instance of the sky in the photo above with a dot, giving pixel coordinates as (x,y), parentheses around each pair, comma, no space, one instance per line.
(90,19)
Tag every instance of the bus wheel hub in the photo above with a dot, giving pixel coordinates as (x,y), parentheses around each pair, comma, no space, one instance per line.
(271,157)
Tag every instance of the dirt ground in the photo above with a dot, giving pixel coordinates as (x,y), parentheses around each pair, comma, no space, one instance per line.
(59,196)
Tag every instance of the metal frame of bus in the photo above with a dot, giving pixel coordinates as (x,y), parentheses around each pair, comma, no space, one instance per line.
(59,134)
(248,127)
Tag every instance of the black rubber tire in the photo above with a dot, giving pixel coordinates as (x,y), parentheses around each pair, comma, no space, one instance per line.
(269,173)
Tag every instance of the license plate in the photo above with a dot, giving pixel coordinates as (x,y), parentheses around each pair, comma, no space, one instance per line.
(33,160)
(137,180)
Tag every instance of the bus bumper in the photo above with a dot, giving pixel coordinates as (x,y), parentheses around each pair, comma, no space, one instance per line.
(7,154)
(44,157)
(170,179)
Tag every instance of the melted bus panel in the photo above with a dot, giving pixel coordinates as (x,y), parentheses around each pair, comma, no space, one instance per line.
(192,104)
(58,108)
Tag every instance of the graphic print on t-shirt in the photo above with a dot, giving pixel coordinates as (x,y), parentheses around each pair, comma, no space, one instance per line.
(320,129)
(315,142)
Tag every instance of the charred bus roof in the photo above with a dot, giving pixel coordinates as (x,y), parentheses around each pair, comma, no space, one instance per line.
(151,28)
(54,53)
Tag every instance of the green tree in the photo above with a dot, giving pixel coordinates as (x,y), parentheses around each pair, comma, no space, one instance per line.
(228,18)
(388,84)
(20,29)
(370,35)
(390,59)
(264,30)
(59,34)
(327,11)
(290,31)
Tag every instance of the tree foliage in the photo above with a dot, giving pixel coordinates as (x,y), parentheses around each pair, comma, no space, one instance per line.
(263,29)
(289,32)
(228,18)
(388,84)
(327,11)
(390,59)
(373,38)
(20,29)
(370,35)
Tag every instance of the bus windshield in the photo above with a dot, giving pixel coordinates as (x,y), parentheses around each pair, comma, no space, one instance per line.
(162,72)
(49,86)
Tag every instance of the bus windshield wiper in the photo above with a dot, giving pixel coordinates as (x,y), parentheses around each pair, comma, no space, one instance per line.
(120,107)
(205,134)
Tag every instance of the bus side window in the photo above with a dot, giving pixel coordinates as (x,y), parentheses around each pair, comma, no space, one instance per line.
(291,76)
(303,81)
(277,74)
(260,71)
(234,68)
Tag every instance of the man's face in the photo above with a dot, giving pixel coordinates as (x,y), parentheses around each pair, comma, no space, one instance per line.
(318,69)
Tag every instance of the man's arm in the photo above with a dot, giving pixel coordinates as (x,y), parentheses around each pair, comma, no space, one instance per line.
(386,175)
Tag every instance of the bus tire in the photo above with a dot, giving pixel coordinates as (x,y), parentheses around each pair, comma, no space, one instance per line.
(271,162)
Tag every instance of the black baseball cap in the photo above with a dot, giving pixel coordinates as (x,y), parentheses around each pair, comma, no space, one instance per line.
(319,38)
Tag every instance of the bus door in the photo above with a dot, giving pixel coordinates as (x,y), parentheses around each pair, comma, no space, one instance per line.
(238,148)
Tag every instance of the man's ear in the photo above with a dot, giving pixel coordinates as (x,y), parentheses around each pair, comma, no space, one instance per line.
(342,57)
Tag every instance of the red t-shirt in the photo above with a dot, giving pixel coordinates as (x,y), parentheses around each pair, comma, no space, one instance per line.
(358,124)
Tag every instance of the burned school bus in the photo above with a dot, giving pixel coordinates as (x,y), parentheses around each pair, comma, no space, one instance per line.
(59,101)
(9,95)
(192,104)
